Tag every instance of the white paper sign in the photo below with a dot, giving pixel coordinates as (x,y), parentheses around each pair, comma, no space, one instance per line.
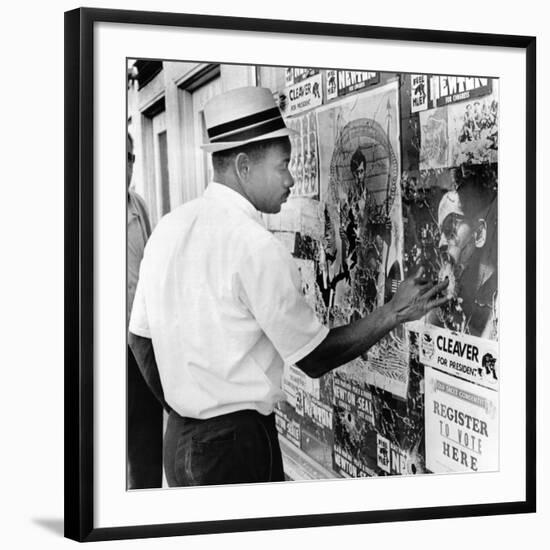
(302,96)
(461,425)
(468,357)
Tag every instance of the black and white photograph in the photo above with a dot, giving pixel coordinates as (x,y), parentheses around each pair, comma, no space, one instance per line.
(274,275)
(312,273)
(300,274)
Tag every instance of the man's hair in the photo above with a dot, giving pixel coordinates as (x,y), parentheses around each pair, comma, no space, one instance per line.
(475,193)
(356,159)
(256,150)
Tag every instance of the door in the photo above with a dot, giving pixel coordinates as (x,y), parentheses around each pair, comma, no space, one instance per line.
(160,152)
(199,97)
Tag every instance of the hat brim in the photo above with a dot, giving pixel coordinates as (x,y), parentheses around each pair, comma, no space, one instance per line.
(222,146)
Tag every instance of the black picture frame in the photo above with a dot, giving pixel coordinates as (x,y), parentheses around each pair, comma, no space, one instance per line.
(79,272)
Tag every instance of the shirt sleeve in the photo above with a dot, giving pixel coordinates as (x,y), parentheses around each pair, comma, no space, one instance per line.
(271,288)
(139,323)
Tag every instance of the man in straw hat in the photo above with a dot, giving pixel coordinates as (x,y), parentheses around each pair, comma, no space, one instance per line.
(219,301)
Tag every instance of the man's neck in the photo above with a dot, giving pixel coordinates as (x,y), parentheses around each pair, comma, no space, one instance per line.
(233,183)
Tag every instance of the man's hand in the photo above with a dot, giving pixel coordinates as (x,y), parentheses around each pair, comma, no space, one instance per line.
(415,297)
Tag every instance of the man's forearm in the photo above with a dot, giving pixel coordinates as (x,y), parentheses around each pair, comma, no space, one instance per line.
(348,342)
(142,348)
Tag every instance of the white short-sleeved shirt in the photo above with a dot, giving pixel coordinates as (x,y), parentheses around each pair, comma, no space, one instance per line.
(221,299)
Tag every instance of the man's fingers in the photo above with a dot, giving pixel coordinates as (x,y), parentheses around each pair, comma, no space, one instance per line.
(425,284)
(438,302)
(436,289)
(419,274)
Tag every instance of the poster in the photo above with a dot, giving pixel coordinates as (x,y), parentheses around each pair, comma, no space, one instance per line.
(452,231)
(362,248)
(294,75)
(353,401)
(383,453)
(451,212)
(434,152)
(354,421)
(473,131)
(300,97)
(461,133)
(349,465)
(317,429)
(340,83)
(400,461)
(304,160)
(464,356)
(419,92)
(288,427)
(461,425)
(295,380)
(444,90)
(319,413)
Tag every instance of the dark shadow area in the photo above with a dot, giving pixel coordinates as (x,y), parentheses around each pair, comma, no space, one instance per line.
(55,525)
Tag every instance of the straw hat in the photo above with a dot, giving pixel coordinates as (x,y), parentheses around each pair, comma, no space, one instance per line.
(242,116)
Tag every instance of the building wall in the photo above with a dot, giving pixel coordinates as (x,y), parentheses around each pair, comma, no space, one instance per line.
(177,95)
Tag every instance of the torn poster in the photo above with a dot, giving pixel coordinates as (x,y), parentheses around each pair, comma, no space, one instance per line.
(359,157)
(460,133)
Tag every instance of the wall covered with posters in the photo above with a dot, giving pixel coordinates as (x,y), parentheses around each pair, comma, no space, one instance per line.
(392,172)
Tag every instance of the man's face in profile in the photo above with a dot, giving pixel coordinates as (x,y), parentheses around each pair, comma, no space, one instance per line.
(458,239)
(270,178)
(359,175)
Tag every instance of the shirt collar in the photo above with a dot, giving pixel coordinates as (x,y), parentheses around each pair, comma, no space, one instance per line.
(218,191)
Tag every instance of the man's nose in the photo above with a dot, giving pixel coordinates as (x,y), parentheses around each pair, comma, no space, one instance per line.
(290,182)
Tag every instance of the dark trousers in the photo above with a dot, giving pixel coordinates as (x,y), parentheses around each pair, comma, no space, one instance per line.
(144,437)
(239,447)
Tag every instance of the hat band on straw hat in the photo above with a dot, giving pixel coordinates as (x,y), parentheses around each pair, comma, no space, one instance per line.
(251,133)
(248,127)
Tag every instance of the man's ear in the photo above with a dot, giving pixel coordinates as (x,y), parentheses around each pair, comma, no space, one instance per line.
(242,166)
(481,233)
